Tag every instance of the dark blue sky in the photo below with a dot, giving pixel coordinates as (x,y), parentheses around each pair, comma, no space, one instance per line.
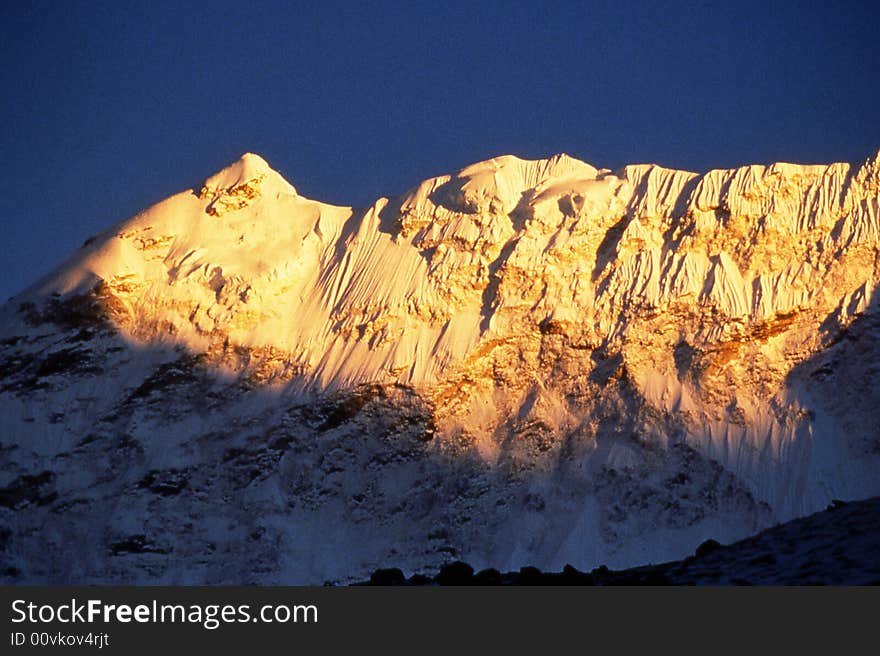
(109,107)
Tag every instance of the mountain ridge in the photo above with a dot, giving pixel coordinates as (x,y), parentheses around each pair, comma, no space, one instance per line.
(636,360)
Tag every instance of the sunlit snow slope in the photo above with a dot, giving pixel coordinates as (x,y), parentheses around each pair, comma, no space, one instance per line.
(526,362)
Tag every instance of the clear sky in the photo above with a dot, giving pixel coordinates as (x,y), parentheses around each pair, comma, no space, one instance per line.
(109,107)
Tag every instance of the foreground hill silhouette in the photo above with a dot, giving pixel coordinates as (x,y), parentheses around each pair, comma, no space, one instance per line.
(839,546)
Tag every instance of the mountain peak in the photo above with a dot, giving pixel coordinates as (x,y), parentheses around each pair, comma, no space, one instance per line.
(247,167)
(254,163)
(240,182)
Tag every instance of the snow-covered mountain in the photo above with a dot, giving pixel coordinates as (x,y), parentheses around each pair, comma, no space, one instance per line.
(523,363)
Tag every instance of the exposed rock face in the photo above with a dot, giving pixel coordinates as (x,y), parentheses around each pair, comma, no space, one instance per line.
(528,362)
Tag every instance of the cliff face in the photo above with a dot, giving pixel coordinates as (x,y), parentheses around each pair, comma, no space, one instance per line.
(524,362)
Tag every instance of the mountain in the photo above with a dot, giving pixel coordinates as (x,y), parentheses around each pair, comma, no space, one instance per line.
(523,363)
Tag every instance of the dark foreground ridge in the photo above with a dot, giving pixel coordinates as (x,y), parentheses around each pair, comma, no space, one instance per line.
(838,546)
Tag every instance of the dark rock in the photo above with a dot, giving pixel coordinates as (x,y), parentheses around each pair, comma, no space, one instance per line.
(573,576)
(707,547)
(27,489)
(531,576)
(136,544)
(390,576)
(488,577)
(165,483)
(600,574)
(457,573)
(347,407)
